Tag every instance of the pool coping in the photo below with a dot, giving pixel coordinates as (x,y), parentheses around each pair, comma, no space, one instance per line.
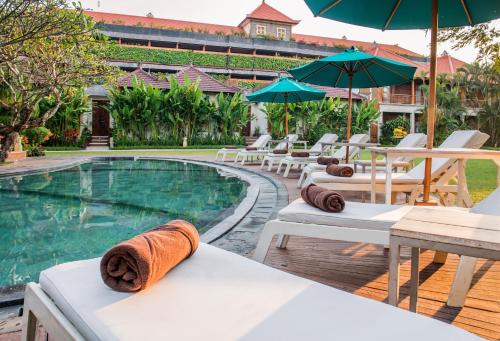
(14,295)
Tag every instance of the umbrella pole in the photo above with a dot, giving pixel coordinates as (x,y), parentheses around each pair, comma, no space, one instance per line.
(349,114)
(431,110)
(286,115)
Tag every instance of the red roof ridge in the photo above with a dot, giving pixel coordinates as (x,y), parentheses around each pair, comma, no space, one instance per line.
(203,76)
(267,13)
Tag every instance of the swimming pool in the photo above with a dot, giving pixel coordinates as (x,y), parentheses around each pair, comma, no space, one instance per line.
(79,212)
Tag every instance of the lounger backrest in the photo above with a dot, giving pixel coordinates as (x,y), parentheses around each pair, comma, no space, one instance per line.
(356,138)
(414,140)
(457,139)
(290,138)
(489,205)
(327,138)
(261,142)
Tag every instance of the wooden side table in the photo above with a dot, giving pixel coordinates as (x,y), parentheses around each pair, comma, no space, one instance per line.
(441,229)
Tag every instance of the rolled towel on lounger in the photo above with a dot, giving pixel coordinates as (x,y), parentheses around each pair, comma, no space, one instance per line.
(342,171)
(230,147)
(137,263)
(280,151)
(325,161)
(251,148)
(322,198)
(300,154)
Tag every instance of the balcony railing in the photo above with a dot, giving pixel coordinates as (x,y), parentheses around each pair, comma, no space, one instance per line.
(402,99)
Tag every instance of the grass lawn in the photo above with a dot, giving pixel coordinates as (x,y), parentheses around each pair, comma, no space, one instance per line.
(481,174)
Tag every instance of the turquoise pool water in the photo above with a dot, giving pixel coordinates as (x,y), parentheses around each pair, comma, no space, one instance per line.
(78,213)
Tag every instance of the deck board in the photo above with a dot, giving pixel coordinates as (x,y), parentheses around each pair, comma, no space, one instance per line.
(362,269)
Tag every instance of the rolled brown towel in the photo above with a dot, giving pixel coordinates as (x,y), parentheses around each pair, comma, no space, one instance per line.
(342,171)
(137,263)
(251,148)
(230,147)
(322,198)
(300,154)
(323,160)
(280,151)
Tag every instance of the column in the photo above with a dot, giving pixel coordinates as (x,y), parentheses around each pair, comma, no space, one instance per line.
(412,122)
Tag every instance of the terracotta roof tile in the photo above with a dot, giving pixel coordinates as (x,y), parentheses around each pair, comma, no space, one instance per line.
(134,20)
(337,92)
(268,13)
(448,64)
(206,83)
(141,75)
(381,52)
(308,39)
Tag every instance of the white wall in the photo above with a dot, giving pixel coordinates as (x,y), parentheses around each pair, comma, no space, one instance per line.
(259,118)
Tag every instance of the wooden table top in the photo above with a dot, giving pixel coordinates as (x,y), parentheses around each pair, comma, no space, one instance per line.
(444,225)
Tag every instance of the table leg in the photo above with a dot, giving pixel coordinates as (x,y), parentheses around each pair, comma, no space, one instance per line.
(394,272)
(388,180)
(414,279)
(461,282)
(374,177)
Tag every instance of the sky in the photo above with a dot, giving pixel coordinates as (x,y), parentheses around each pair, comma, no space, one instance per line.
(231,12)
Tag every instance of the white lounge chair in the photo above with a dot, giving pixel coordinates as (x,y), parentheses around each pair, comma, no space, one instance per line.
(315,151)
(271,158)
(414,140)
(260,144)
(338,154)
(363,223)
(216,295)
(246,154)
(443,170)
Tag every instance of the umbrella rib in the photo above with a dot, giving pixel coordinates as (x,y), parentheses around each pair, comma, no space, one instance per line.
(312,73)
(467,12)
(389,69)
(393,12)
(329,7)
(365,68)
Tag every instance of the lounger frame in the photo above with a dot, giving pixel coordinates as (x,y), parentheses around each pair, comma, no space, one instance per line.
(38,307)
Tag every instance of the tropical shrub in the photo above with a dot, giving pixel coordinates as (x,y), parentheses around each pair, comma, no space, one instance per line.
(387,129)
(32,139)
(313,119)
(65,124)
(145,115)
(450,109)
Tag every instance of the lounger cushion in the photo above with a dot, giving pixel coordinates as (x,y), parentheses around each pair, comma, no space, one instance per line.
(363,178)
(217,295)
(355,215)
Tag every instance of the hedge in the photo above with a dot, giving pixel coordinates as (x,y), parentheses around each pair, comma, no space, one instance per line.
(140,54)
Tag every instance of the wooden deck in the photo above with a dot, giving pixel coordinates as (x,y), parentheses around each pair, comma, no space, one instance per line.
(362,269)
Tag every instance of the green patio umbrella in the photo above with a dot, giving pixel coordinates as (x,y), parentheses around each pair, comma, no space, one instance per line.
(286,91)
(353,68)
(411,14)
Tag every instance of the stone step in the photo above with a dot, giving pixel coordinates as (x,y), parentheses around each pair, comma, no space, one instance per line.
(98,144)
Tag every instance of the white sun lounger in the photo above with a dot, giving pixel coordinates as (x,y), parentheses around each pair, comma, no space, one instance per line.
(315,151)
(260,144)
(246,154)
(216,295)
(414,140)
(410,140)
(362,223)
(443,170)
(338,154)
(271,158)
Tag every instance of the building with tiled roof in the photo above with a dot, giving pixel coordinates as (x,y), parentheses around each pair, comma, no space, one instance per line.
(262,46)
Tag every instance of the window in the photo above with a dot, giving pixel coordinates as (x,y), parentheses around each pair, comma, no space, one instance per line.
(281,33)
(260,30)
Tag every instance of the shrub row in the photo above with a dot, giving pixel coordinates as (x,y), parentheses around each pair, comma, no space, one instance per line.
(140,54)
